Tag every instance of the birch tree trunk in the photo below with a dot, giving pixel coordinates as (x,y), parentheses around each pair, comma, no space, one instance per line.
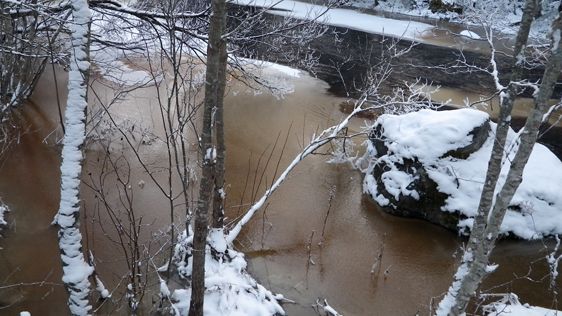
(211,105)
(75,269)
(475,262)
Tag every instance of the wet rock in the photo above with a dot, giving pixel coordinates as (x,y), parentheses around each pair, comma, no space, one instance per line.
(427,207)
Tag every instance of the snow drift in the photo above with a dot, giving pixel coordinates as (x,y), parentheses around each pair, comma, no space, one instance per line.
(230,290)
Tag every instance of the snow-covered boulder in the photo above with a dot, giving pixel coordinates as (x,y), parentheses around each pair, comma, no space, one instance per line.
(432,165)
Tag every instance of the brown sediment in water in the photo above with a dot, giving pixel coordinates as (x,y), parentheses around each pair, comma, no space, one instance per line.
(417,255)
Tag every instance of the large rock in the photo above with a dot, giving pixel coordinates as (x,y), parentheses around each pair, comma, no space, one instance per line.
(425,200)
(432,165)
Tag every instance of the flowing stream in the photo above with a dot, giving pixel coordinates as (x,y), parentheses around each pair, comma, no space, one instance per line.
(317,238)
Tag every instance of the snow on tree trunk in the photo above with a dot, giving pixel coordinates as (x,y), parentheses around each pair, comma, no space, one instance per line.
(76,271)
(474,267)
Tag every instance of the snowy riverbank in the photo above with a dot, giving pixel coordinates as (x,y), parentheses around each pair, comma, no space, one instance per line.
(347,18)
(230,290)
(476,13)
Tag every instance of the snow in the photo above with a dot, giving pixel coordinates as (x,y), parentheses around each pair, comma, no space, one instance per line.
(211,154)
(343,18)
(164,290)
(429,134)
(328,310)
(510,306)
(535,210)
(100,287)
(470,34)
(76,271)
(500,15)
(230,290)
(256,64)
(279,79)
(448,301)
(3,210)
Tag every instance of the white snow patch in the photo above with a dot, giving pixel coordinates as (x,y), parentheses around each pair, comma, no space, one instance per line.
(211,154)
(448,301)
(230,290)
(343,18)
(266,65)
(3,210)
(100,287)
(511,306)
(470,34)
(164,290)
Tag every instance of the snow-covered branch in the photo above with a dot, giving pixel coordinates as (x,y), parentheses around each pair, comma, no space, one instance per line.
(325,136)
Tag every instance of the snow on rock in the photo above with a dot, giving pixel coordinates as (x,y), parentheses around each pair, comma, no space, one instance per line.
(230,290)
(510,305)
(342,17)
(434,163)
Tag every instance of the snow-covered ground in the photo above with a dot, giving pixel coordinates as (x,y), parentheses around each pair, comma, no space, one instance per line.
(230,290)
(510,306)
(536,208)
(351,19)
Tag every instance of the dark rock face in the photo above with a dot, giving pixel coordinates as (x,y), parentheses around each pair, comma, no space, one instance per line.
(430,201)
(479,136)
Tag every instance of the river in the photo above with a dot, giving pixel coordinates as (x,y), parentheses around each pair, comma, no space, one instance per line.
(321,200)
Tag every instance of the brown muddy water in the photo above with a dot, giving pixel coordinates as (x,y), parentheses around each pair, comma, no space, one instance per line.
(317,238)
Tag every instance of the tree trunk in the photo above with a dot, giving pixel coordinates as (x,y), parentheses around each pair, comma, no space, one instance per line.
(75,269)
(211,104)
(474,267)
(219,193)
